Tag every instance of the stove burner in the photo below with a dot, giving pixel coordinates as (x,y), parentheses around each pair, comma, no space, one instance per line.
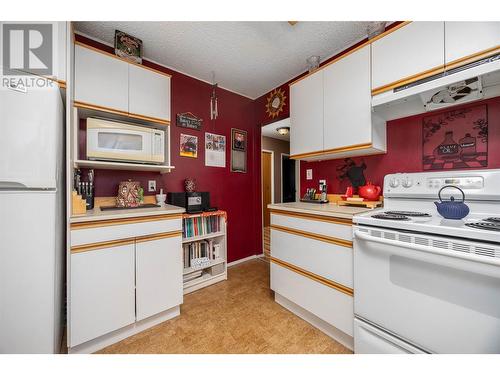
(493,220)
(386,216)
(485,225)
(409,213)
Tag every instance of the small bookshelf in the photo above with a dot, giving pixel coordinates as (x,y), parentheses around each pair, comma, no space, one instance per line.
(204,249)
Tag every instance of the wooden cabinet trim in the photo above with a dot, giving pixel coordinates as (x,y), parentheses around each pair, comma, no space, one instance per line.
(361,146)
(370,41)
(437,70)
(121,221)
(309,216)
(471,58)
(77,43)
(313,236)
(121,242)
(101,245)
(329,283)
(407,80)
(95,107)
(149,118)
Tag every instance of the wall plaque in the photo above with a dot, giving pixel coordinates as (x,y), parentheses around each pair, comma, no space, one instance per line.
(188,120)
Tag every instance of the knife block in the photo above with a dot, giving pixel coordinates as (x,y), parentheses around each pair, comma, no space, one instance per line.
(78,204)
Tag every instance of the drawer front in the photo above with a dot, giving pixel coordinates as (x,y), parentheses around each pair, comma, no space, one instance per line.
(87,233)
(329,304)
(329,260)
(335,228)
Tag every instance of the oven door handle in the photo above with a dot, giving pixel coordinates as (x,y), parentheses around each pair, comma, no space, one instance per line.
(495,272)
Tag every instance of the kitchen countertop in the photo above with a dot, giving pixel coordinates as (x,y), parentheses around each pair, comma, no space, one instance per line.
(96,214)
(325,209)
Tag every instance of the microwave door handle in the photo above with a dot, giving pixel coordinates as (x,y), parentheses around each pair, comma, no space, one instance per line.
(468,262)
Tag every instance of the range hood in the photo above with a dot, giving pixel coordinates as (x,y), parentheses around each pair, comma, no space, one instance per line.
(475,81)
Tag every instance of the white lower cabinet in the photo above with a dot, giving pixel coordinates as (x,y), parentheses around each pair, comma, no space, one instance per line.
(312,267)
(328,304)
(159,275)
(123,278)
(102,292)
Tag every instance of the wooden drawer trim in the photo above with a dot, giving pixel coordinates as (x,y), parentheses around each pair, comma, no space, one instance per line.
(95,107)
(407,80)
(316,217)
(130,220)
(160,236)
(121,242)
(101,245)
(313,236)
(320,279)
(361,146)
(474,57)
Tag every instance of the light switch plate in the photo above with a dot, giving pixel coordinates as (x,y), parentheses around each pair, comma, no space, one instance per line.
(309,174)
(151,185)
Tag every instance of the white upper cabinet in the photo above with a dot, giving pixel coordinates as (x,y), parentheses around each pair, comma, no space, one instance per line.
(149,93)
(414,49)
(158,275)
(463,39)
(347,101)
(100,80)
(306,114)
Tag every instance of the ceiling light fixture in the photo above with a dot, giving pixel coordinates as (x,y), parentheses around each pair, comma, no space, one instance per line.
(284,130)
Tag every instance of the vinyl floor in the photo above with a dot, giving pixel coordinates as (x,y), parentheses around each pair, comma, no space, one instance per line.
(234,316)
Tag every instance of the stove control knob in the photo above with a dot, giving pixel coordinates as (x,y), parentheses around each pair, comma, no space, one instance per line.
(394,183)
(407,182)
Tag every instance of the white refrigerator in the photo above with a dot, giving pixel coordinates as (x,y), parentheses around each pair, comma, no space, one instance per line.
(32,218)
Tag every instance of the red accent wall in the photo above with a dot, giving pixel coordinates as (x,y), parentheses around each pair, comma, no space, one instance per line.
(237,193)
(404,152)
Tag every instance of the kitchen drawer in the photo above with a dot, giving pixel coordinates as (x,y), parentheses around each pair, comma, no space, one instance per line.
(329,304)
(109,230)
(336,228)
(328,260)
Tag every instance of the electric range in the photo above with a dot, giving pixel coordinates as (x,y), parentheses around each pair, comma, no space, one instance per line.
(424,283)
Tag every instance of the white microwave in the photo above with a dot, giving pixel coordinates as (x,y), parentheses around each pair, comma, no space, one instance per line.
(116,141)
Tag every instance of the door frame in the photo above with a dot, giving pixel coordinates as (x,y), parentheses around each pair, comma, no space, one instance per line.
(262,192)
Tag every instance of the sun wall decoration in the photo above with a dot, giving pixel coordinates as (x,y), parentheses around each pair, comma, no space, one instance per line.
(275,103)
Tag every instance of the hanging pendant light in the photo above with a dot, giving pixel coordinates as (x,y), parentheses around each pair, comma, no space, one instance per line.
(214,111)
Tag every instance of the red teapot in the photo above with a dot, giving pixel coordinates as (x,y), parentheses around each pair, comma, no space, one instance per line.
(369,191)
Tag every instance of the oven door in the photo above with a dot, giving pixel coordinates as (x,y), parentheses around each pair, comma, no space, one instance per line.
(430,291)
(124,143)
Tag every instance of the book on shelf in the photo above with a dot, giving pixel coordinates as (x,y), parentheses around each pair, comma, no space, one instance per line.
(201,253)
(201,225)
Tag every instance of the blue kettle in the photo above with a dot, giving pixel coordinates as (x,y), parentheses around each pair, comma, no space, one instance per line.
(452,209)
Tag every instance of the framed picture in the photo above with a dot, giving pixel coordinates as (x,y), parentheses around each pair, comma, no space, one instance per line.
(215,150)
(239,139)
(189,146)
(456,139)
(128,47)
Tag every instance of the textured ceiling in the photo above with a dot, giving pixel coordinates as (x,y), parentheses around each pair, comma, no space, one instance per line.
(249,58)
(270,130)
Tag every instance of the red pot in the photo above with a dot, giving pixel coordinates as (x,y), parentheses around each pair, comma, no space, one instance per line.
(369,191)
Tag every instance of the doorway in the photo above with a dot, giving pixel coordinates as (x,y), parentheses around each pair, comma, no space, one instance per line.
(267,173)
(288,187)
